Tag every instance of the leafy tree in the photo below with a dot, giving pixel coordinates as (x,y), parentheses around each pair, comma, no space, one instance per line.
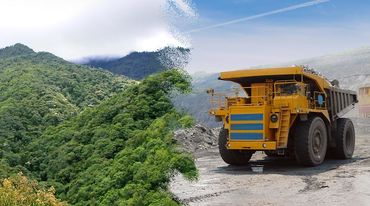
(19,191)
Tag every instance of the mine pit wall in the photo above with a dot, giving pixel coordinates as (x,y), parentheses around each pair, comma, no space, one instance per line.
(364,102)
(364,110)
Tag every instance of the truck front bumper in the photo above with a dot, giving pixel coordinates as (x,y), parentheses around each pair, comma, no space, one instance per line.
(251,145)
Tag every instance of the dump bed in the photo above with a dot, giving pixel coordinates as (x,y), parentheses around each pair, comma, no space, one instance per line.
(340,102)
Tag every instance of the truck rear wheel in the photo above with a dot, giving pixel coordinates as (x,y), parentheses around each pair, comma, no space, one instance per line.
(311,141)
(345,139)
(232,157)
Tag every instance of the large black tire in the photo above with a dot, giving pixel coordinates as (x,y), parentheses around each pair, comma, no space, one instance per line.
(345,139)
(310,140)
(232,157)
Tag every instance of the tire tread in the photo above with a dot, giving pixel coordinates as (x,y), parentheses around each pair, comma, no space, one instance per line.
(232,157)
(302,150)
(341,130)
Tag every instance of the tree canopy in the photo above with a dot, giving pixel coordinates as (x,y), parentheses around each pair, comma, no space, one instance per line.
(38,90)
(120,152)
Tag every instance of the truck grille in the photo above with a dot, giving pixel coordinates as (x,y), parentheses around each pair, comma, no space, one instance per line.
(246,127)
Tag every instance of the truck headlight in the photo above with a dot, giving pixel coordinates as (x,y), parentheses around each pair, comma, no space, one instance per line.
(274,118)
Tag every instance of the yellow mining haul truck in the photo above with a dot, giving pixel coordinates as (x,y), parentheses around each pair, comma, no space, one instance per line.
(289,111)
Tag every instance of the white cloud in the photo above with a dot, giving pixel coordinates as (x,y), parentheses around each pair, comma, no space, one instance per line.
(185,7)
(74,29)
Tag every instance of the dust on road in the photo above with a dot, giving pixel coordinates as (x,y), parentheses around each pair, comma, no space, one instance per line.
(283,182)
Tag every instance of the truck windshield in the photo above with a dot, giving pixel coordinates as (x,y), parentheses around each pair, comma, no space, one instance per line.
(287,89)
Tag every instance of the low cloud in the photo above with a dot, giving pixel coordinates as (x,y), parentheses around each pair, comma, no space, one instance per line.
(76,29)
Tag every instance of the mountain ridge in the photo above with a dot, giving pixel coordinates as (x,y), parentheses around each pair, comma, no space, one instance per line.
(15,50)
(138,65)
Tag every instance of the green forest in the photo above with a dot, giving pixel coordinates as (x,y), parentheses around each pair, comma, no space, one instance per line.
(96,137)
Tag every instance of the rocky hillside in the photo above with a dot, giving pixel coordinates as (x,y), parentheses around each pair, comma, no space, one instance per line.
(342,65)
(197,103)
(351,68)
(198,139)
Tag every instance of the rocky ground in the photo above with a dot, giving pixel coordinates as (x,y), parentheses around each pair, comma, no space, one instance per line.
(199,140)
(283,182)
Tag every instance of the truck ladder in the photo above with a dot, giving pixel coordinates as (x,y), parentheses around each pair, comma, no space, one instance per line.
(283,131)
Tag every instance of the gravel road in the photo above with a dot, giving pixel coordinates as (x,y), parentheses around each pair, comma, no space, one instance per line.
(283,182)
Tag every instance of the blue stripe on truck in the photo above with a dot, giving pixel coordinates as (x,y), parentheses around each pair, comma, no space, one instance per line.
(237,117)
(247,127)
(246,136)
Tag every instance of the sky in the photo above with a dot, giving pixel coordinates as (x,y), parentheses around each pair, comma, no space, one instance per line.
(223,34)
(326,28)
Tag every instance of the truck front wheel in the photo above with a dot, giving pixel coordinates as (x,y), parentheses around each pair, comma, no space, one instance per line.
(232,157)
(345,139)
(311,141)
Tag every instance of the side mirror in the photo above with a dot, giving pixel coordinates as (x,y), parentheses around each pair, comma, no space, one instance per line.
(308,95)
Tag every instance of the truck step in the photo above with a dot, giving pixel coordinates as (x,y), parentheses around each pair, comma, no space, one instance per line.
(283,131)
